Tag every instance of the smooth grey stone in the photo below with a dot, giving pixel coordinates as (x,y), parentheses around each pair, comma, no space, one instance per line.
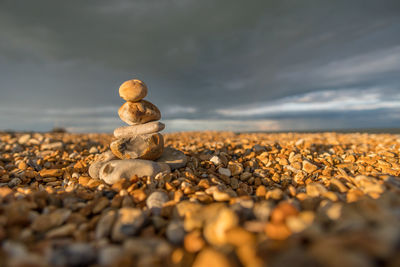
(113,171)
(102,159)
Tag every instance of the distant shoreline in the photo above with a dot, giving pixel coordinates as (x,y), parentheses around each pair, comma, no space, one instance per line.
(355,130)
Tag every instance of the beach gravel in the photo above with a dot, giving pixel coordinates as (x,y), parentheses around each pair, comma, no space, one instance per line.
(251,199)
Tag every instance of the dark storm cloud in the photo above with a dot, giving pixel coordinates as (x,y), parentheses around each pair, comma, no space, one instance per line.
(199,58)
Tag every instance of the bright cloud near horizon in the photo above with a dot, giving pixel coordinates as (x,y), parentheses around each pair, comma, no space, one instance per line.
(219,65)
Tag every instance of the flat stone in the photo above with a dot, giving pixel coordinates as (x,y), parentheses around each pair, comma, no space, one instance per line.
(146,128)
(139,112)
(115,170)
(99,162)
(133,90)
(145,146)
(174,158)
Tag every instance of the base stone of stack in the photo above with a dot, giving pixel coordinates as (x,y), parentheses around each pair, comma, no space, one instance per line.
(99,162)
(146,128)
(115,170)
(174,158)
(145,146)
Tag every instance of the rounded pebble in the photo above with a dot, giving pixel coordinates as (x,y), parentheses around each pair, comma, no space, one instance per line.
(133,90)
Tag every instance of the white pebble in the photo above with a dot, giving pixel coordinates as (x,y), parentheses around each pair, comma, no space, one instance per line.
(216,160)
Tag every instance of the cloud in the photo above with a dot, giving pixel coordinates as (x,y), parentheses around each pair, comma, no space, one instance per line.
(173,110)
(340,100)
(364,65)
(65,61)
(222,125)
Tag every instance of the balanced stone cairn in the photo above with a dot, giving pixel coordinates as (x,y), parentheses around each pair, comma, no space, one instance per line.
(139,148)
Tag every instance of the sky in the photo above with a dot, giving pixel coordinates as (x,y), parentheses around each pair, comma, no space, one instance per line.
(268,65)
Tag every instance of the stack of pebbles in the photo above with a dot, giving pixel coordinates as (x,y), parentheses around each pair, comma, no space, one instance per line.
(139,148)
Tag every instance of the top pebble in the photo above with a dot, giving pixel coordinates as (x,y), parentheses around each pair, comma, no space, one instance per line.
(133,90)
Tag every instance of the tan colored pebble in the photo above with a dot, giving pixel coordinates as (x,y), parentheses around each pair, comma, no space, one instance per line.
(261,191)
(133,90)
(22,165)
(275,193)
(221,196)
(51,173)
(277,231)
(148,146)
(134,113)
(215,231)
(315,189)
(282,211)
(309,167)
(5,192)
(194,242)
(84,180)
(238,236)
(211,258)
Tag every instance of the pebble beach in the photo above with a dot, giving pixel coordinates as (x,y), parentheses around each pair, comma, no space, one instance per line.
(250,199)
